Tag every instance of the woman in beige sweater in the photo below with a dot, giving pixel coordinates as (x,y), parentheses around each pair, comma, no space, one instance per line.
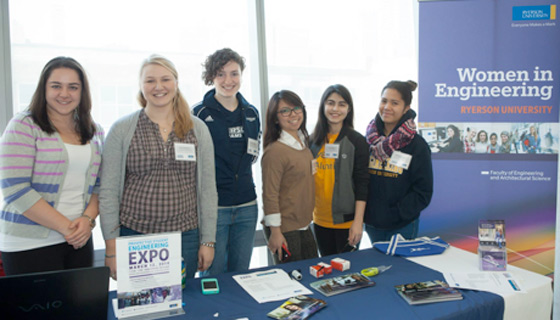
(288,184)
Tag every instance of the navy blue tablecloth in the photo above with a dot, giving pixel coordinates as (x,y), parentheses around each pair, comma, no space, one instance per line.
(378,302)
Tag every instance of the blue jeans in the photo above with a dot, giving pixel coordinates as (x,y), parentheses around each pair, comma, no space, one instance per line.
(189,248)
(410,231)
(235,234)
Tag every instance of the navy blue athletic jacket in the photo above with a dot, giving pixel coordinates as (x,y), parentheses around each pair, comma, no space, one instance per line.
(234,178)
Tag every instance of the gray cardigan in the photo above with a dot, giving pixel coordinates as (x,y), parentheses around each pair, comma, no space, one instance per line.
(114,170)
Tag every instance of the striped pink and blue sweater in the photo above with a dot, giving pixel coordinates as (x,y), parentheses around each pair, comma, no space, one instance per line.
(33,165)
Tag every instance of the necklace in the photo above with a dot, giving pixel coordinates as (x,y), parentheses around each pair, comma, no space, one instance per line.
(164,130)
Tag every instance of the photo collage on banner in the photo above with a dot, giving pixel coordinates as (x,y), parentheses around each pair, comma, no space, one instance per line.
(488,108)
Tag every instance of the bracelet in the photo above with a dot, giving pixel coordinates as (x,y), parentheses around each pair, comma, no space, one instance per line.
(91,221)
(110,255)
(208,244)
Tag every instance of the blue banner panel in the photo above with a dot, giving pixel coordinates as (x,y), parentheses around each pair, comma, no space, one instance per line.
(489,76)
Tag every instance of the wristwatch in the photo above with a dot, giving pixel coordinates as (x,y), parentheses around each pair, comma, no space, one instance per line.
(208,244)
(91,221)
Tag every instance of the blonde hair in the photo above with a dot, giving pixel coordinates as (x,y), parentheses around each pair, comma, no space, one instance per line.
(181,113)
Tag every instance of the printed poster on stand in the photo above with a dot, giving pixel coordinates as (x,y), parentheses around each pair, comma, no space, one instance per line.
(149,274)
(488,108)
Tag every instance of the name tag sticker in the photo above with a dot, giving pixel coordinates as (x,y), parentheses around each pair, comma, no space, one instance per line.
(331,150)
(253,147)
(372,162)
(184,151)
(314,166)
(400,159)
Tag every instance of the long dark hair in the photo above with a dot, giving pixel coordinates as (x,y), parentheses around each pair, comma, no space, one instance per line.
(456,133)
(322,127)
(83,122)
(272,130)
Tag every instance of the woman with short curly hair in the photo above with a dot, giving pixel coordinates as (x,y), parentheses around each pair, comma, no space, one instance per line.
(235,128)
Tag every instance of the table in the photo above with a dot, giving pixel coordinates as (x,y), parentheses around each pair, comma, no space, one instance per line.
(378,302)
(535,304)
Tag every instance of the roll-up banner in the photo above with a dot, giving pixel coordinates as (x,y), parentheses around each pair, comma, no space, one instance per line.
(489,74)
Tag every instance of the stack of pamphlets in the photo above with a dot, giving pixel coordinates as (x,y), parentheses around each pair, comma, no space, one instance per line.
(428,292)
(298,307)
(340,284)
(492,252)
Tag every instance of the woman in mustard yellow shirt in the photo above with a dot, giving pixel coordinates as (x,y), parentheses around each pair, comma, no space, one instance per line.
(341,181)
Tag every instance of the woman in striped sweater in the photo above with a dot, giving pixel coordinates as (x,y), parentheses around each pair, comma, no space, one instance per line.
(50,156)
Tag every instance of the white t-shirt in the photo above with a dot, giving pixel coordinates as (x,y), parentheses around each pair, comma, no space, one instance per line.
(481,147)
(71,203)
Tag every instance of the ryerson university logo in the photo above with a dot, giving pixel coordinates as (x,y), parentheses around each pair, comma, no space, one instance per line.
(521,13)
(42,306)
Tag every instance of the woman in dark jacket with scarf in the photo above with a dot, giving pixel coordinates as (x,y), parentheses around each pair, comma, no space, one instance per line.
(400,168)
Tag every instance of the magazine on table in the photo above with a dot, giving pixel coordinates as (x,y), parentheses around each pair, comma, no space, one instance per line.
(340,284)
(428,292)
(297,308)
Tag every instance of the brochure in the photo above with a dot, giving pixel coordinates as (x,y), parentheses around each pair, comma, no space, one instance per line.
(149,274)
(496,282)
(492,251)
(428,292)
(270,285)
(340,284)
(297,308)
(492,233)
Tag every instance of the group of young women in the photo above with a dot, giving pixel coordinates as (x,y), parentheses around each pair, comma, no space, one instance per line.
(479,142)
(161,169)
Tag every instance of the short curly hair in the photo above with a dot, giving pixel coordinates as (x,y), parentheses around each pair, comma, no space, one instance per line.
(216,61)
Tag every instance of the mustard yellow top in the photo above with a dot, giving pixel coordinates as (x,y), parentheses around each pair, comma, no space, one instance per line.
(324,186)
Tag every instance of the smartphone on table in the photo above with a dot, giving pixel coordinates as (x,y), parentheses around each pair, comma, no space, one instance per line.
(210,286)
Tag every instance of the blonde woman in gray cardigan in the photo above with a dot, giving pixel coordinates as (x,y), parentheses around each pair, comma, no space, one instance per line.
(150,184)
(50,156)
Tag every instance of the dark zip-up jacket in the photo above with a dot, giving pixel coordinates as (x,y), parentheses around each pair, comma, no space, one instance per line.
(233,179)
(350,173)
(397,196)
